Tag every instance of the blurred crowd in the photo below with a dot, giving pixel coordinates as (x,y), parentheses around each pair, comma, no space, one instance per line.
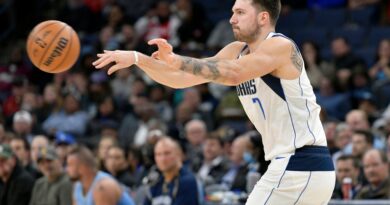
(139,131)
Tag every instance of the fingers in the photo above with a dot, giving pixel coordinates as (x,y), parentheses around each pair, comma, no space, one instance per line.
(104,59)
(114,68)
(155,55)
(161,43)
(157,41)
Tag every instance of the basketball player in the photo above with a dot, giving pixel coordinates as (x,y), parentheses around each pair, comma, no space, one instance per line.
(93,187)
(269,74)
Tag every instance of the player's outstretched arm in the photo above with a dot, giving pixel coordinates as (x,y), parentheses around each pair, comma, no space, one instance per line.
(158,70)
(276,55)
(159,66)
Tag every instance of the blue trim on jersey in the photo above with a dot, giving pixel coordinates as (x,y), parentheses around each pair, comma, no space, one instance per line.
(308,110)
(311,158)
(282,35)
(303,189)
(307,122)
(280,180)
(292,123)
(275,84)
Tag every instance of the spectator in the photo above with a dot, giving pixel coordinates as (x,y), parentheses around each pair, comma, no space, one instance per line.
(104,144)
(347,166)
(176,185)
(376,170)
(101,187)
(52,102)
(117,165)
(358,120)
(21,149)
(383,59)
(16,183)
(214,165)
(137,168)
(54,187)
(106,113)
(361,142)
(235,177)
(316,68)
(23,124)
(334,103)
(221,35)
(133,129)
(12,103)
(63,142)
(161,24)
(71,119)
(196,133)
(344,61)
(159,97)
(37,142)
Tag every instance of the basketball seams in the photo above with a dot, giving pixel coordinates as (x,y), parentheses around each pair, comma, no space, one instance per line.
(67,52)
(49,45)
(32,37)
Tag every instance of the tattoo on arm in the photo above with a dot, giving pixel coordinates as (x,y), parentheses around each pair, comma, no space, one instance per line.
(205,68)
(101,188)
(296,58)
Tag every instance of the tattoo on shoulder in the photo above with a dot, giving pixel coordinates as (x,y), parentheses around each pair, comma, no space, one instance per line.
(205,68)
(296,59)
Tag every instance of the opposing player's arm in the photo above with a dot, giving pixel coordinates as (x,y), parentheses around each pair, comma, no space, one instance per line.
(161,72)
(106,192)
(277,56)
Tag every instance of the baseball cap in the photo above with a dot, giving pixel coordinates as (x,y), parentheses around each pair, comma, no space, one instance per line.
(64,138)
(47,152)
(22,116)
(5,151)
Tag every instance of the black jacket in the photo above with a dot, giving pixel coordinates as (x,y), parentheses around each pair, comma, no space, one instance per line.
(18,188)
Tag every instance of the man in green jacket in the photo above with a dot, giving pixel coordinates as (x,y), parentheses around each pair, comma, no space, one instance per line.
(54,188)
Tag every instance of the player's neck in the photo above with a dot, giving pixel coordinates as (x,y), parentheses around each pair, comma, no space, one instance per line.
(87,181)
(263,35)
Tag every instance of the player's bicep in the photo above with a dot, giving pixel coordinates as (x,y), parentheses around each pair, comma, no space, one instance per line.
(272,56)
(229,52)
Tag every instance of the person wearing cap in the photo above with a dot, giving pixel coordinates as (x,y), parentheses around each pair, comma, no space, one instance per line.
(63,142)
(23,124)
(15,183)
(54,187)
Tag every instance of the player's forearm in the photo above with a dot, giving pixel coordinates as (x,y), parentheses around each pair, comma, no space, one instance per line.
(220,71)
(160,72)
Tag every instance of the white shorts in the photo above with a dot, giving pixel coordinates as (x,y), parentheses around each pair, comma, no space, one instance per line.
(307,177)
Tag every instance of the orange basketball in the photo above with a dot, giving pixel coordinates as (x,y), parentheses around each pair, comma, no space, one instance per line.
(53,46)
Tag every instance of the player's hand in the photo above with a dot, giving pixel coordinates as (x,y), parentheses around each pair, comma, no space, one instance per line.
(164,52)
(122,59)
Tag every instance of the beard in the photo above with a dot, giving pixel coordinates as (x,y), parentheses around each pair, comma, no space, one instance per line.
(247,36)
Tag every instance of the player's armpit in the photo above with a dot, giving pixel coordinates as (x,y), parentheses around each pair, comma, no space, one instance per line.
(106,192)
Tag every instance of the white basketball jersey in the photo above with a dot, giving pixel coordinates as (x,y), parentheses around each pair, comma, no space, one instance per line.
(284,112)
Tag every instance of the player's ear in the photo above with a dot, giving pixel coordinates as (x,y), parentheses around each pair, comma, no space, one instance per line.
(262,17)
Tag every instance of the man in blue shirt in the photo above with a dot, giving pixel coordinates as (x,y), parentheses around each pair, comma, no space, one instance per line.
(176,185)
